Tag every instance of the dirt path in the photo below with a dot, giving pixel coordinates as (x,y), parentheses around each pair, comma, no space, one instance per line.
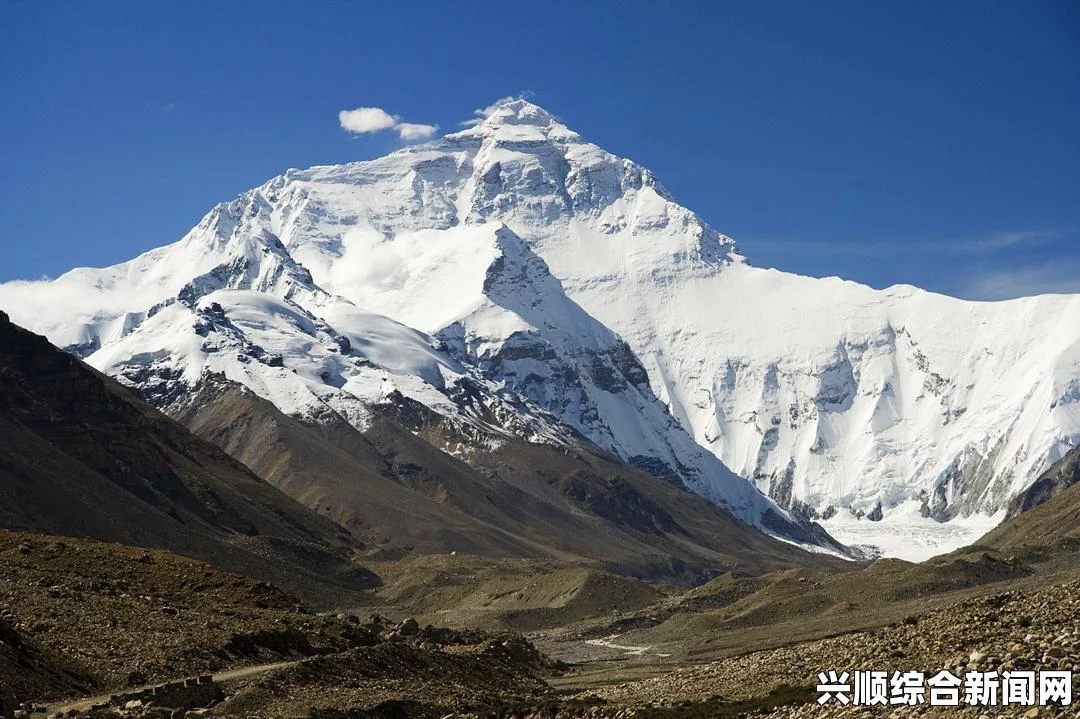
(230,675)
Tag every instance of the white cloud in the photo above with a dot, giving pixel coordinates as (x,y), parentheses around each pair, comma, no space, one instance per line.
(366,119)
(363,120)
(410,131)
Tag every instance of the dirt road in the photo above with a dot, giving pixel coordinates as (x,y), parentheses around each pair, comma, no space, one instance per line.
(222,677)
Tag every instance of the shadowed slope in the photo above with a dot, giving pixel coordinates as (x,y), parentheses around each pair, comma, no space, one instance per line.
(83,456)
(395,484)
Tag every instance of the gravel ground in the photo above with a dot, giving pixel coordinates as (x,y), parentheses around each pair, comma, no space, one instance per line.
(1037,630)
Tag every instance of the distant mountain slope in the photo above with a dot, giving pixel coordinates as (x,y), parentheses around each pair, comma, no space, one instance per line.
(83,456)
(392,483)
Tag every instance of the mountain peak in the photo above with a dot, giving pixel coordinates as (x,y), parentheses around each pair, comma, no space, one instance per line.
(516,111)
(517,119)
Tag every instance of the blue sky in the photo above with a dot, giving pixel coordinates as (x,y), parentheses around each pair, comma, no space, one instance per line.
(928,143)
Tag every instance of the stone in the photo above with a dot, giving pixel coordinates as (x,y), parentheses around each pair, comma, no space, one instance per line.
(408,628)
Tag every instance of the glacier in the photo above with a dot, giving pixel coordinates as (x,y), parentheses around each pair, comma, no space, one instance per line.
(567,289)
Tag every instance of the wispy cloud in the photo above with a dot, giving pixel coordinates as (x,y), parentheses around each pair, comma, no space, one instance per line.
(1052,277)
(879,248)
(1002,240)
(163,107)
(364,120)
(995,266)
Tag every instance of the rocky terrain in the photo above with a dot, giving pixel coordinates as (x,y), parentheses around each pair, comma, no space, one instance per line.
(27,670)
(421,678)
(409,671)
(128,616)
(84,456)
(80,618)
(84,618)
(1009,630)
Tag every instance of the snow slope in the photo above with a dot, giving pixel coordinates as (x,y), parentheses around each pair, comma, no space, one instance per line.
(506,351)
(521,257)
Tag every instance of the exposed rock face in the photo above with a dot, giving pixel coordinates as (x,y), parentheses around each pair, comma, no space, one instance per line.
(1062,475)
(1046,518)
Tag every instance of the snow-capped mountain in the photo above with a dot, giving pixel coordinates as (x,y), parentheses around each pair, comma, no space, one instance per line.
(515,266)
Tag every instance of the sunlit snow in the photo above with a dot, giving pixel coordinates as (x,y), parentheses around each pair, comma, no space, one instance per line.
(905,534)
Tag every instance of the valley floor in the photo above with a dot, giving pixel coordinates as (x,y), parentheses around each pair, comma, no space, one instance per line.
(462,636)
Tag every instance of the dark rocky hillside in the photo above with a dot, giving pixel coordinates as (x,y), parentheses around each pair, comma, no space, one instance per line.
(81,455)
(397,485)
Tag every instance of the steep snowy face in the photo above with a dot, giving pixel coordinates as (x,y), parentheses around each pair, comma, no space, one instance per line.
(569,289)
(526,334)
(829,393)
(229,301)
(405,299)
(356,226)
(822,392)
